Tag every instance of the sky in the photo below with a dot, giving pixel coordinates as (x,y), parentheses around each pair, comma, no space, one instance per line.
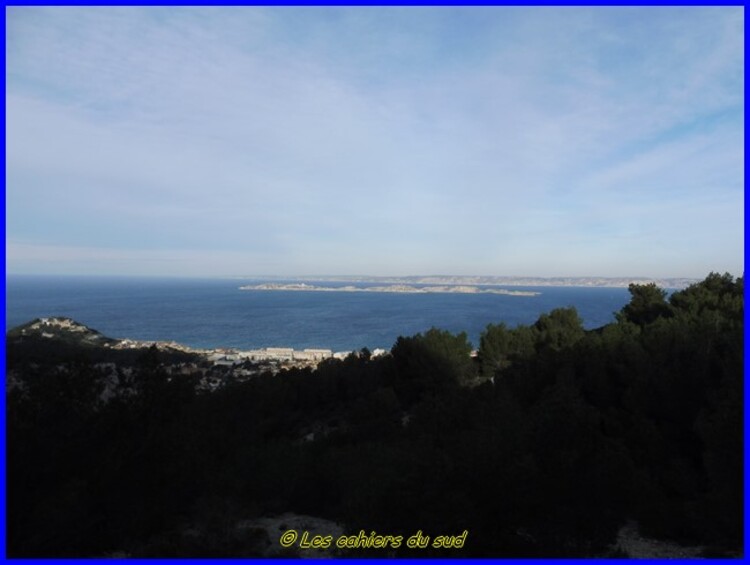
(375,141)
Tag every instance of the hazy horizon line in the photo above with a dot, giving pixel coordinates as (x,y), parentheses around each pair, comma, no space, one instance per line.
(322,276)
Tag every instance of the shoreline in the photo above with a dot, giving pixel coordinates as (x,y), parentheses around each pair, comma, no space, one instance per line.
(229,356)
(58,327)
(236,356)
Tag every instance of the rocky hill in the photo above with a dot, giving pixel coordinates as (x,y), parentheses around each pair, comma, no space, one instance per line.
(56,339)
(59,329)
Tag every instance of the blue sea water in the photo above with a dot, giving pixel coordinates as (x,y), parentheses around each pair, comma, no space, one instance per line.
(215,313)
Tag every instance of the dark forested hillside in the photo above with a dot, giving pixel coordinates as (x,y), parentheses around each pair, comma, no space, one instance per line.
(544,444)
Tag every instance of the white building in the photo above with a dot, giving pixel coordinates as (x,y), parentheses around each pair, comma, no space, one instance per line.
(313,354)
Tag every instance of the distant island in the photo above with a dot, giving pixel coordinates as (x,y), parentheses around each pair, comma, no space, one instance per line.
(482,280)
(393,288)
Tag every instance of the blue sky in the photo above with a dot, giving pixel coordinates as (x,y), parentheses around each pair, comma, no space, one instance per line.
(381,141)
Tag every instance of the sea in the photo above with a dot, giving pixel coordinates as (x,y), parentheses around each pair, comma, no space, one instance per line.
(212,313)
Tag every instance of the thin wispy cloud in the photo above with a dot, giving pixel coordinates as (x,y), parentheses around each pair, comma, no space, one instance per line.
(604,141)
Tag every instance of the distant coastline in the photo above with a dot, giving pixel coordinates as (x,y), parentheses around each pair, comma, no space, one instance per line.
(478,281)
(392,288)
